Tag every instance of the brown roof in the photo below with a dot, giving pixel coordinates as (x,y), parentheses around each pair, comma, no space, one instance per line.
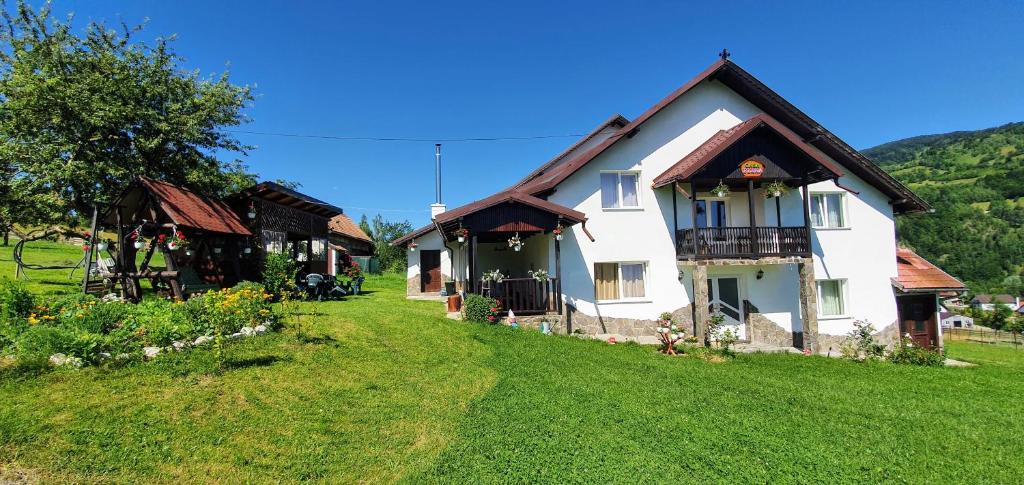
(915,273)
(343,225)
(616,121)
(566,213)
(280,194)
(186,208)
(1002,298)
(746,85)
(722,140)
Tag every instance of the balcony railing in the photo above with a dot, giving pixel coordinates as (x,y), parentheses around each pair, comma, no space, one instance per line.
(743,242)
(524,296)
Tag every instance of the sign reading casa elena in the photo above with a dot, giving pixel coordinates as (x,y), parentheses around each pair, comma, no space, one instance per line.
(752,168)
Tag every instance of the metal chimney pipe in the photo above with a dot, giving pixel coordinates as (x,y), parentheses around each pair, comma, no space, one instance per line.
(437,169)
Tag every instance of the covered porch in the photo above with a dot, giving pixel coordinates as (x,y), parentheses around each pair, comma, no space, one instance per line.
(737,184)
(508,247)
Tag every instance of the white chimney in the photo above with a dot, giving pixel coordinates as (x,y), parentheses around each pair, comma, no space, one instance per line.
(436,209)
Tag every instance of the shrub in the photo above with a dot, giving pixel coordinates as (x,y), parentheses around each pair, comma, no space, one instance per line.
(279,272)
(908,353)
(479,308)
(39,342)
(15,300)
(860,344)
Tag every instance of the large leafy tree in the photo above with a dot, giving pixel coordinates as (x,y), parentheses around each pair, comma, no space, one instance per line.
(82,114)
(383,232)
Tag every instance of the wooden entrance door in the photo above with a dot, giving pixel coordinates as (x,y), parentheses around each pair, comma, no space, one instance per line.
(917,318)
(430,271)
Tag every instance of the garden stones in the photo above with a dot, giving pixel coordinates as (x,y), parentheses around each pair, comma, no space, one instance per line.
(61,360)
(261,329)
(178,346)
(248,331)
(151,352)
(202,340)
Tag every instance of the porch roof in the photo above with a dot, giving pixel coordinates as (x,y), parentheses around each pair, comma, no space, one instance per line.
(176,205)
(720,144)
(481,215)
(916,274)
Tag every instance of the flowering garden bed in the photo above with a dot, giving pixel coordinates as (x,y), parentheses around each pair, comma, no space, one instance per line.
(82,330)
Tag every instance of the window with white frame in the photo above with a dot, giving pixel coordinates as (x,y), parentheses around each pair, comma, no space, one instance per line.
(831,298)
(620,281)
(620,190)
(828,210)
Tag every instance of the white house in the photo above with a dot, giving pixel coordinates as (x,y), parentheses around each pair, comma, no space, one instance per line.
(953,320)
(721,198)
(989,302)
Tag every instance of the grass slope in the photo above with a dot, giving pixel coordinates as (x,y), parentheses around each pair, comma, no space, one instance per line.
(973,180)
(388,390)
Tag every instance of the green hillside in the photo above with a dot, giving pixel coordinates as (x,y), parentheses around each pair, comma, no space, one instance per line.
(975,182)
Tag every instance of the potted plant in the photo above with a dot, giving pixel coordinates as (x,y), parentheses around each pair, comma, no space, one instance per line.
(140,242)
(449,286)
(668,333)
(558,232)
(462,234)
(493,275)
(515,242)
(720,190)
(775,189)
(413,245)
(540,275)
(252,211)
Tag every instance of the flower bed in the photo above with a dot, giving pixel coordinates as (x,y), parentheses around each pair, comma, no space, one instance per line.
(81,330)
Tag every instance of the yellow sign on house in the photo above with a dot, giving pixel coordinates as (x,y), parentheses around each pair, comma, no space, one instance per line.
(752,168)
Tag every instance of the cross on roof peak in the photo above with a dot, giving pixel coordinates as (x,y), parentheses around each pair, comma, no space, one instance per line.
(724,54)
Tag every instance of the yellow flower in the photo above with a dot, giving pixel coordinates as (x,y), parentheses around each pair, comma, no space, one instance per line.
(32,320)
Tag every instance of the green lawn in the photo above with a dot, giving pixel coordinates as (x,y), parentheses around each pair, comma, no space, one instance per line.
(389,390)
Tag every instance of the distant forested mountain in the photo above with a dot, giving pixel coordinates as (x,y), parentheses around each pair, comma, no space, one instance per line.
(975,182)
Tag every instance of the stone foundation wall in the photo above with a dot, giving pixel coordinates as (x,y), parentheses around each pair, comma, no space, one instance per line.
(888,336)
(764,331)
(412,286)
(627,327)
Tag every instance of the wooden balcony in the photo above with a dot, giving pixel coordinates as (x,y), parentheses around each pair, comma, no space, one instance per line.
(743,242)
(525,296)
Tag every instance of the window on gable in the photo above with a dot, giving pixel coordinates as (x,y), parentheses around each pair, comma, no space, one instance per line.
(619,281)
(828,210)
(620,190)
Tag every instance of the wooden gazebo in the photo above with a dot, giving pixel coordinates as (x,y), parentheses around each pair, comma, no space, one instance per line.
(218,241)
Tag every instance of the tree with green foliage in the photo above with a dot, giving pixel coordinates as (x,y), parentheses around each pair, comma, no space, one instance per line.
(383,233)
(365,226)
(83,113)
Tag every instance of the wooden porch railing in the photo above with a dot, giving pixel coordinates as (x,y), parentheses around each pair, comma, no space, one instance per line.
(525,296)
(743,242)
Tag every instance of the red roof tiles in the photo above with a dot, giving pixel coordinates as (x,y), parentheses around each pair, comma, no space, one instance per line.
(343,225)
(916,273)
(189,209)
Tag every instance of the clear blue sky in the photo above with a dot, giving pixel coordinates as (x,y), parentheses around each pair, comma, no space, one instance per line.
(870,72)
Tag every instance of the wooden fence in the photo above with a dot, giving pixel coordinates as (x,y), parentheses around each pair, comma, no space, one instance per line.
(983,335)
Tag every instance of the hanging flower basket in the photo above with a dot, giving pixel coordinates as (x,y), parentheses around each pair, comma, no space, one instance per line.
(217,250)
(252,211)
(140,242)
(720,190)
(247,250)
(413,246)
(102,245)
(540,275)
(462,234)
(558,233)
(775,189)
(515,242)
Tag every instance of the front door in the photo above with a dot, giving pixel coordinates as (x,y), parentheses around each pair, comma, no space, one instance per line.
(430,271)
(724,298)
(917,318)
